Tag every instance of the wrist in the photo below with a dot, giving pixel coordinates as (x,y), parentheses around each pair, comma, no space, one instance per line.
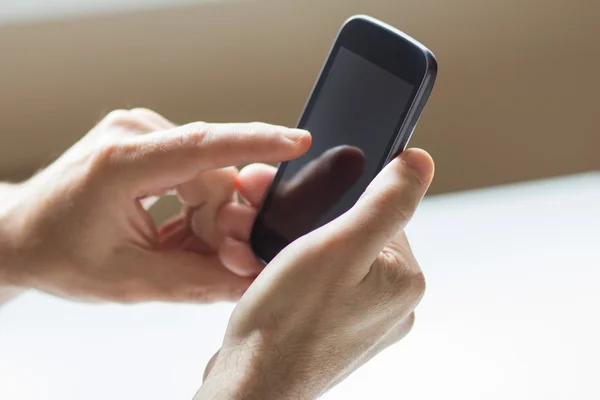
(253,370)
(9,232)
(235,375)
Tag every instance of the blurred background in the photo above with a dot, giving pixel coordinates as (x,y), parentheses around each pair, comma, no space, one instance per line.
(516,97)
(512,272)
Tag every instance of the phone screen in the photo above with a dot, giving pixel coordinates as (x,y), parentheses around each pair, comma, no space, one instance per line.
(353,121)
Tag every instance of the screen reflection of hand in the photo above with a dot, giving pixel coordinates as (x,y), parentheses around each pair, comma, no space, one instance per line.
(298,203)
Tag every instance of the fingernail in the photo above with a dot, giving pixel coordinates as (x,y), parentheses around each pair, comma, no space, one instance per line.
(418,163)
(296,135)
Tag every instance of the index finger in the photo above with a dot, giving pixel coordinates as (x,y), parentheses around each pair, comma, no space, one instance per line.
(170,157)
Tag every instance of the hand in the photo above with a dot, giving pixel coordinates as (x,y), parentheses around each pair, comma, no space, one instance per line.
(329,301)
(79,228)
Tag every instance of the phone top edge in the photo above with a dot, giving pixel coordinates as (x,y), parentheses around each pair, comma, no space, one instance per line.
(430,57)
(431,65)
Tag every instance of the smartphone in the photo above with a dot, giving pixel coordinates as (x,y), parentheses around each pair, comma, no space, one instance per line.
(361,114)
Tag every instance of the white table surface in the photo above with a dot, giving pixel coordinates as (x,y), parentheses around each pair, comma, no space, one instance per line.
(511,312)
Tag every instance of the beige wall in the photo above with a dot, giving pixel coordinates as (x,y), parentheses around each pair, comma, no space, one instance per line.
(516,98)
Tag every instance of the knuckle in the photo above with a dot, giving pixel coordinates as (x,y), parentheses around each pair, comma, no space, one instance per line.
(410,288)
(113,151)
(119,118)
(128,121)
(143,110)
(153,119)
(393,259)
(111,155)
(417,284)
(404,278)
(200,127)
(196,134)
(409,281)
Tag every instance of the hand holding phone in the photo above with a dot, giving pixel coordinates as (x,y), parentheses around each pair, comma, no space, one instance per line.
(331,300)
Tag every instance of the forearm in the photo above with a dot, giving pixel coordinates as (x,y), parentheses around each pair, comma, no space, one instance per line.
(8,254)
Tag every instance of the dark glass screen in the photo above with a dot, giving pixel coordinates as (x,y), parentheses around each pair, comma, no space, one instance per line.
(353,120)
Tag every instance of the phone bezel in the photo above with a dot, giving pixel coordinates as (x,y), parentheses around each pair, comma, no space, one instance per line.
(388,48)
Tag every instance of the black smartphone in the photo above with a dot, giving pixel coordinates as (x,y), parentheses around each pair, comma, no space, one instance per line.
(361,114)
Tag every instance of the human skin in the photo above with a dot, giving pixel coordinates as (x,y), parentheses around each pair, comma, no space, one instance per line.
(79,229)
(328,302)
(325,305)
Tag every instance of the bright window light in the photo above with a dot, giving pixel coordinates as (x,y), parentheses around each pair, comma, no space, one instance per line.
(27,10)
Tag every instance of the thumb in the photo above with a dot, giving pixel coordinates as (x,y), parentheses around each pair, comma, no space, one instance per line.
(386,206)
(167,158)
